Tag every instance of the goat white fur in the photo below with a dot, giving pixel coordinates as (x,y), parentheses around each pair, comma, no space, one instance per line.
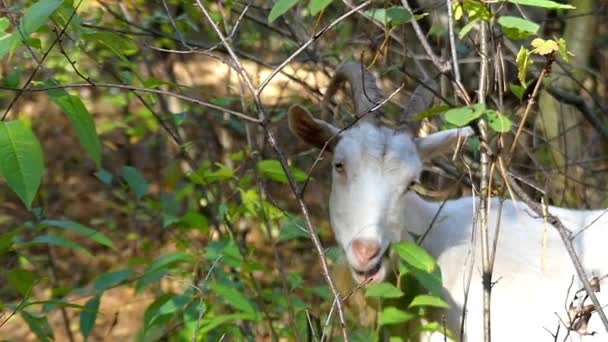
(373,166)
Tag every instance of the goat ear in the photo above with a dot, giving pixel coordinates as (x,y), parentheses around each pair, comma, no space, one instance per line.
(441,142)
(312,131)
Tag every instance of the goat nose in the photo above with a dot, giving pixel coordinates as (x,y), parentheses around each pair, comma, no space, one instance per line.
(365,250)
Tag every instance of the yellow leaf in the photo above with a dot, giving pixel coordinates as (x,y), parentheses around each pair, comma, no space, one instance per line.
(544,47)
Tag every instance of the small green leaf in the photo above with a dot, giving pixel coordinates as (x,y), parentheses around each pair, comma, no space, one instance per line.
(415,256)
(427,300)
(38,325)
(383,290)
(149,278)
(432,111)
(81,120)
(88,316)
(34,18)
(542,3)
(498,122)
(523,62)
(135,180)
(22,280)
(279,8)
(233,297)
(4,24)
(272,169)
(293,227)
(517,90)
(167,260)
(164,307)
(104,176)
(563,50)
(111,279)
(467,28)
(518,28)
(390,16)
(225,251)
(21,162)
(60,242)
(80,229)
(211,322)
(392,315)
(317,6)
(461,116)
(14,77)
(120,46)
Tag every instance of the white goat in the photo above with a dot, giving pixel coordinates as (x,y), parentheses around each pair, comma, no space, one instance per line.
(371,205)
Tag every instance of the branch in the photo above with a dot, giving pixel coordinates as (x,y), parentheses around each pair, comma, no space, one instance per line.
(283,161)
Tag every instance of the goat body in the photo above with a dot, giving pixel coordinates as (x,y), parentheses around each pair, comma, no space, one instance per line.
(534,280)
(372,205)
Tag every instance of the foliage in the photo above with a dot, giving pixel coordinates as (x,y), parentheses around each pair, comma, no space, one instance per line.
(207,228)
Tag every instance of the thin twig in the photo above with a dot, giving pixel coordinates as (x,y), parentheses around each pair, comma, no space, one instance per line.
(145,90)
(484,189)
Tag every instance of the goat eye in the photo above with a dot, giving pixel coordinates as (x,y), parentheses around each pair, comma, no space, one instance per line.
(339,166)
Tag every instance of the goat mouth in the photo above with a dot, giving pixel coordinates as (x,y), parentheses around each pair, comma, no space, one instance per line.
(371,272)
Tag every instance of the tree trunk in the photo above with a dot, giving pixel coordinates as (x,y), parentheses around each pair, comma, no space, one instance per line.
(558,120)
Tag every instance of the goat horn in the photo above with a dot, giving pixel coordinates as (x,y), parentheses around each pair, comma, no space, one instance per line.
(420,101)
(365,93)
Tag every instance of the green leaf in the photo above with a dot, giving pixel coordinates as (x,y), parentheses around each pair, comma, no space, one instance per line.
(167,260)
(233,297)
(14,77)
(272,169)
(467,28)
(104,176)
(4,24)
(60,242)
(429,280)
(523,62)
(393,15)
(498,122)
(210,323)
(111,279)
(33,19)
(120,46)
(392,315)
(225,251)
(81,120)
(317,6)
(415,256)
(383,290)
(21,162)
(149,278)
(427,300)
(88,316)
(22,280)
(563,50)
(517,90)
(518,28)
(432,111)
(293,227)
(542,3)
(38,325)
(461,116)
(279,8)
(80,229)
(476,9)
(207,175)
(165,307)
(135,180)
